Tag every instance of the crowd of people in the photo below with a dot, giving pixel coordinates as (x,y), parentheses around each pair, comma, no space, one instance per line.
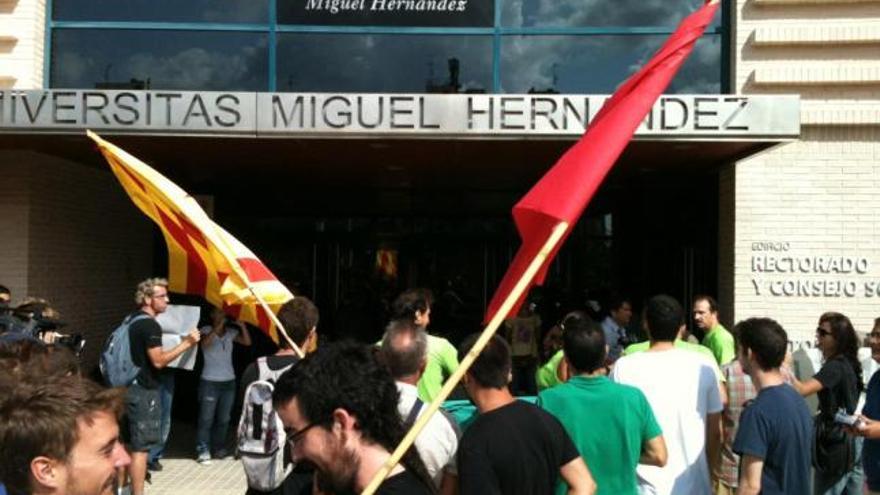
(602,414)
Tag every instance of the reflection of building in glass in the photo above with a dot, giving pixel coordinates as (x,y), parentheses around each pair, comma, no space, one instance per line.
(131,84)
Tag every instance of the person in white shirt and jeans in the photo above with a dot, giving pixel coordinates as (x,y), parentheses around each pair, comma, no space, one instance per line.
(217,386)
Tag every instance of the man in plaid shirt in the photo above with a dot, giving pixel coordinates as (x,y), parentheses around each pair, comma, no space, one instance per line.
(740,390)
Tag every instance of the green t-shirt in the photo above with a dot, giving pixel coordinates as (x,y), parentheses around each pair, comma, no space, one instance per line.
(608,422)
(679,344)
(546,376)
(442,362)
(720,342)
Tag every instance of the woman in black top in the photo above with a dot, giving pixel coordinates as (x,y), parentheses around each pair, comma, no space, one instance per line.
(836,457)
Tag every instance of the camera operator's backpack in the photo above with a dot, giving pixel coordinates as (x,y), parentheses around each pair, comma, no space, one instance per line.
(261,436)
(116,364)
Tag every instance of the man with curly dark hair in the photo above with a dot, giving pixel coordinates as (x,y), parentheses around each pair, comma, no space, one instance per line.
(339,406)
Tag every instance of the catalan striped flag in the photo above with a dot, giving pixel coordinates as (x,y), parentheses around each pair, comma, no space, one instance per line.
(203,259)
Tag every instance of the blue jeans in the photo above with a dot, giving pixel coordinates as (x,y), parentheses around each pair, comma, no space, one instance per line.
(215,407)
(848,484)
(166,396)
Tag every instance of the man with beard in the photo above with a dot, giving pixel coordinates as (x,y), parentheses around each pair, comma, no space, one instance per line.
(60,437)
(339,407)
(869,424)
(715,337)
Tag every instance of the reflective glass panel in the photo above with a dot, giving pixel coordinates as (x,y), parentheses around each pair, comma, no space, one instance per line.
(598,64)
(384,63)
(245,11)
(569,13)
(181,60)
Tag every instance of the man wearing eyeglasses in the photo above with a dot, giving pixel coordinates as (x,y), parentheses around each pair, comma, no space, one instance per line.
(142,399)
(339,407)
(869,424)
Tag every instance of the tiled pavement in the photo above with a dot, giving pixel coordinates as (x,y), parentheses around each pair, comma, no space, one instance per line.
(182,475)
(187,477)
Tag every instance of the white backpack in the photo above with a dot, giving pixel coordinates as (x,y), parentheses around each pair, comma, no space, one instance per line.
(261,436)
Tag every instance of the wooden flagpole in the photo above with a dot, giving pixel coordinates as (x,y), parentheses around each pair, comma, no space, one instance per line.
(488,332)
(299,352)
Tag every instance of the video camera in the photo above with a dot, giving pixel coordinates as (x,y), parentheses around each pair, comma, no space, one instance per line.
(30,320)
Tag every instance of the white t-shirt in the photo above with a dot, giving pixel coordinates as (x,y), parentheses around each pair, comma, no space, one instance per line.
(682,389)
(218,356)
(438,441)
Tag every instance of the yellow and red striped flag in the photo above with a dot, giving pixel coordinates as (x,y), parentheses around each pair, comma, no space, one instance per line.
(203,259)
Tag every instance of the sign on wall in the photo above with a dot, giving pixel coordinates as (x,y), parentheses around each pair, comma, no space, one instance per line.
(778,269)
(371,114)
(441,13)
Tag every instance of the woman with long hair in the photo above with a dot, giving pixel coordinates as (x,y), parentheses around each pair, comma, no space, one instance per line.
(838,384)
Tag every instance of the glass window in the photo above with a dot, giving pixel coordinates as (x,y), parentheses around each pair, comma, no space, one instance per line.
(448,13)
(604,13)
(181,60)
(384,63)
(598,64)
(245,11)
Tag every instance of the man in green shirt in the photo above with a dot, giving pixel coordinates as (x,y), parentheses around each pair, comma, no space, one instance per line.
(414,305)
(716,338)
(612,425)
(551,373)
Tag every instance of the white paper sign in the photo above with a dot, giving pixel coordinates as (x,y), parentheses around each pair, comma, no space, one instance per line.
(176,322)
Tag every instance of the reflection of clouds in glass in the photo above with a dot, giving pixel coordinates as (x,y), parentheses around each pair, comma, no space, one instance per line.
(598,64)
(241,11)
(596,12)
(181,60)
(73,67)
(701,73)
(383,63)
(190,68)
(578,63)
(162,10)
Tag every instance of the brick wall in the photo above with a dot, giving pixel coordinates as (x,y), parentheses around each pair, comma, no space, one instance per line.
(22,32)
(726,240)
(816,197)
(87,246)
(14,224)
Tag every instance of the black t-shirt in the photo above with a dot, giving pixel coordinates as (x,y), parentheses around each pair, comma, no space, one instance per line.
(145,334)
(405,483)
(513,450)
(839,386)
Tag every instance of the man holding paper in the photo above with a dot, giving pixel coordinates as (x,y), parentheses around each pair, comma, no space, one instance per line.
(142,399)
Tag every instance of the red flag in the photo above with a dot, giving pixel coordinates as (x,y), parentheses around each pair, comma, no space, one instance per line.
(564,191)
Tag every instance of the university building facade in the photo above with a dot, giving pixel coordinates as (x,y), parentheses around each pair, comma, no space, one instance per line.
(363,146)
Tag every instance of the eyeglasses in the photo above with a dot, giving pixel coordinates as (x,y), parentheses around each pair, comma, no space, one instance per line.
(295,437)
(821,332)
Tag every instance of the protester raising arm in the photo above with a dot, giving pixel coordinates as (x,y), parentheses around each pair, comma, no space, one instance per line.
(244,335)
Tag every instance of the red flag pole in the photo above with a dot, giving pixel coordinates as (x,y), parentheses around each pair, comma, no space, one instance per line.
(521,286)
